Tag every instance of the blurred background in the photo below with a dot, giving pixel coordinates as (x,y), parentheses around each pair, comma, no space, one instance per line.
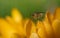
(27,7)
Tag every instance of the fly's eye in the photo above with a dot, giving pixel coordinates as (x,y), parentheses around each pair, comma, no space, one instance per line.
(37,15)
(34,15)
(40,14)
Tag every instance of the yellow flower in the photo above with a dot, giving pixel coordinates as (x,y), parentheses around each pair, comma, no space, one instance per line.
(51,23)
(17,27)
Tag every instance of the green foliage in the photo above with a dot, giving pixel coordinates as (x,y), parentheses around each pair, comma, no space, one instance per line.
(27,7)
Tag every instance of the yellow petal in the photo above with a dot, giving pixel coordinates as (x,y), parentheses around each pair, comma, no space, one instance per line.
(41,30)
(42,33)
(39,24)
(13,24)
(56,27)
(9,20)
(34,35)
(57,13)
(0,32)
(33,28)
(50,17)
(16,15)
(48,27)
(25,22)
(8,31)
(30,28)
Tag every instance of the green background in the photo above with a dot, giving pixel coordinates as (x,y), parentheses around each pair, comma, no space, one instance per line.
(27,7)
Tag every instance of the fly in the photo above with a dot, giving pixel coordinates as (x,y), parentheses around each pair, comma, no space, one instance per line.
(37,15)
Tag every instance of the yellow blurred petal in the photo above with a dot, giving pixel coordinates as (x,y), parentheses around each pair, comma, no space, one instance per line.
(33,29)
(13,24)
(8,31)
(34,35)
(42,33)
(50,17)
(0,32)
(48,27)
(41,30)
(39,24)
(9,20)
(46,19)
(57,13)
(56,27)
(25,22)
(29,27)
(16,15)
